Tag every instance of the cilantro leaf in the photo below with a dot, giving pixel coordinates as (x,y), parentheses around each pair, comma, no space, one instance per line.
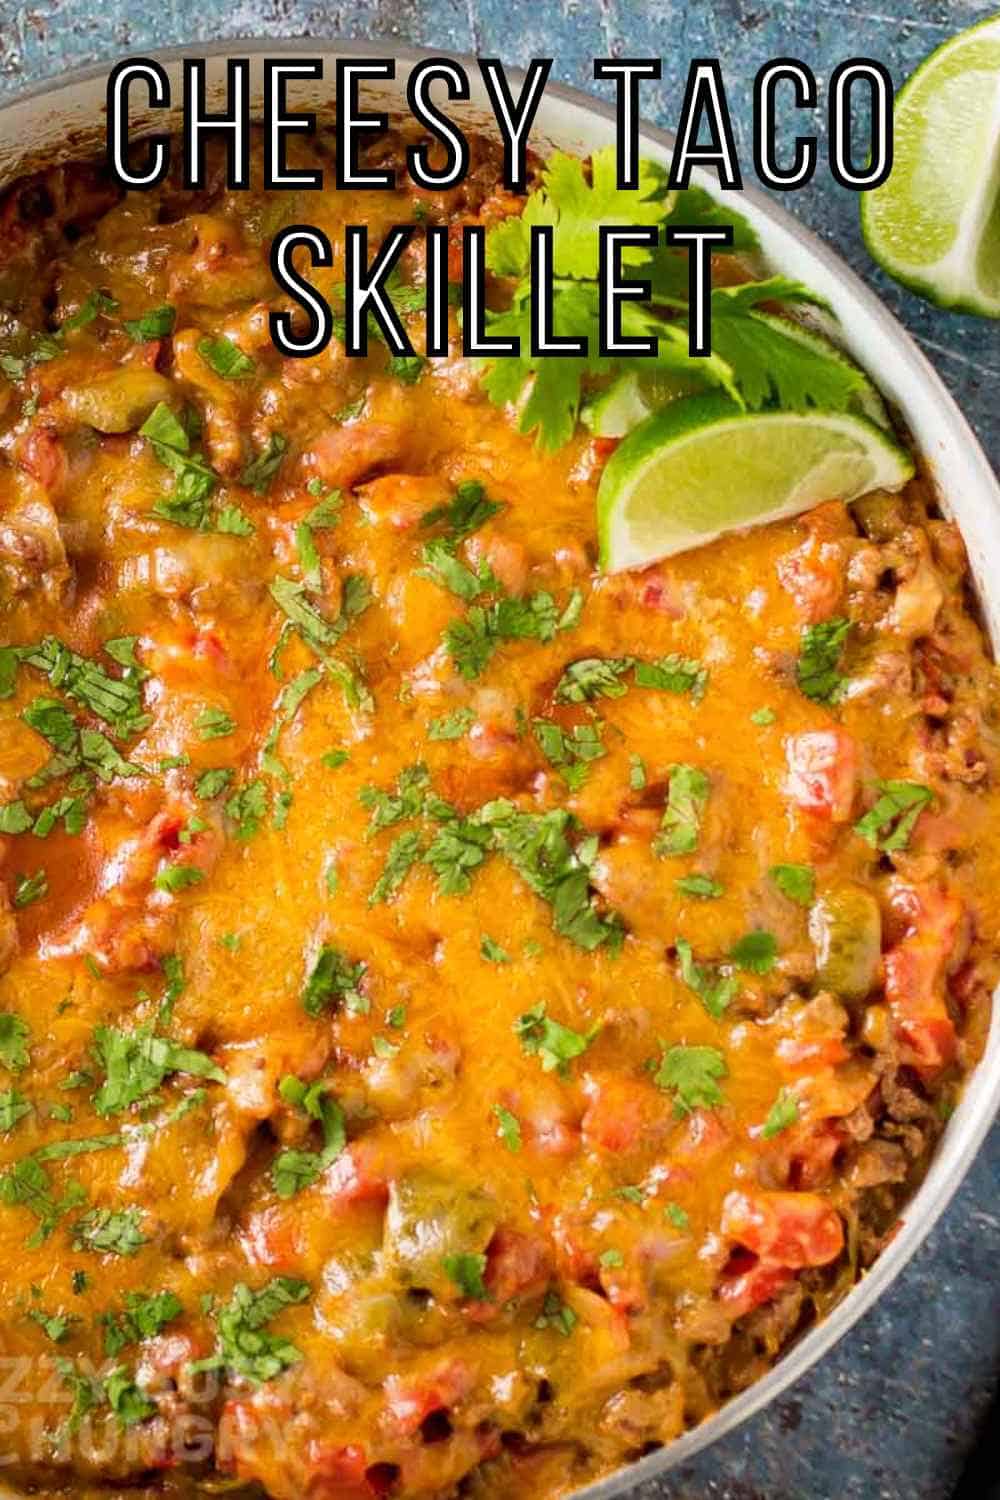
(261,470)
(593,677)
(459,847)
(466,1271)
(673,674)
(784,1112)
(110,1232)
(293,1170)
(491,950)
(403,854)
(692,1075)
(819,658)
(158,323)
(470,509)
(452,726)
(508,1128)
(701,887)
(797,882)
(13,1107)
(135,1063)
(226,358)
(553,1043)
(890,822)
(680,826)
(755,952)
(245,1345)
(715,990)
(333,978)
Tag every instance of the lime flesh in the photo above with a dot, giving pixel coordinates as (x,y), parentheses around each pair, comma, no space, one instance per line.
(702,467)
(935,224)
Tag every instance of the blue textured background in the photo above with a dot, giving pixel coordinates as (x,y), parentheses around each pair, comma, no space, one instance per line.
(894,1412)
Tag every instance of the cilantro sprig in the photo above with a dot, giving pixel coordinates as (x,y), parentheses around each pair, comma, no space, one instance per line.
(757,358)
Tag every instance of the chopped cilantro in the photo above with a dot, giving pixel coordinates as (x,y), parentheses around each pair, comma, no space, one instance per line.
(213,783)
(403,854)
(556,1315)
(553,1043)
(293,1170)
(226,358)
(143,1317)
(245,1346)
(890,822)
(334,979)
(30,888)
(763,717)
(110,1232)
(676,1216)
(467,512)
(451,726)
(593,677)
(797,882)
(611,1260)
(819,658)
(129,1404)
(232,520)
(692,1075)
(492,951)
(508,1128)
(176,878)
(702,887)
(687,795)
(247,808)
(135,1063)
(636,773)
(755,952)
(538,846)
(214,723)
(570,753)
(115,700)
(158,323)
(13,1107)
(466,1271)
(715,990)
(261,470)
(784,1112)
(673,674)
(458,848)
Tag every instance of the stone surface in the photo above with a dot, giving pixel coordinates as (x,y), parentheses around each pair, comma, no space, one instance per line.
(896,1409)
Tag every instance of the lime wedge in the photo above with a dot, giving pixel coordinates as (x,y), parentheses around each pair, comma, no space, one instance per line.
(702,467)
(935,224)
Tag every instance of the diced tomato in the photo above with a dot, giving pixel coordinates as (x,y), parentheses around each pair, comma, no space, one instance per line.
(822,774)
(517,1265)
(410,1399)
(338,1473)
(356,1176)
(743,1291)
(813,573)
(613,1119)
(916,970)
(271,1238)
(793,1230)
(704,1135)
(804,1055)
